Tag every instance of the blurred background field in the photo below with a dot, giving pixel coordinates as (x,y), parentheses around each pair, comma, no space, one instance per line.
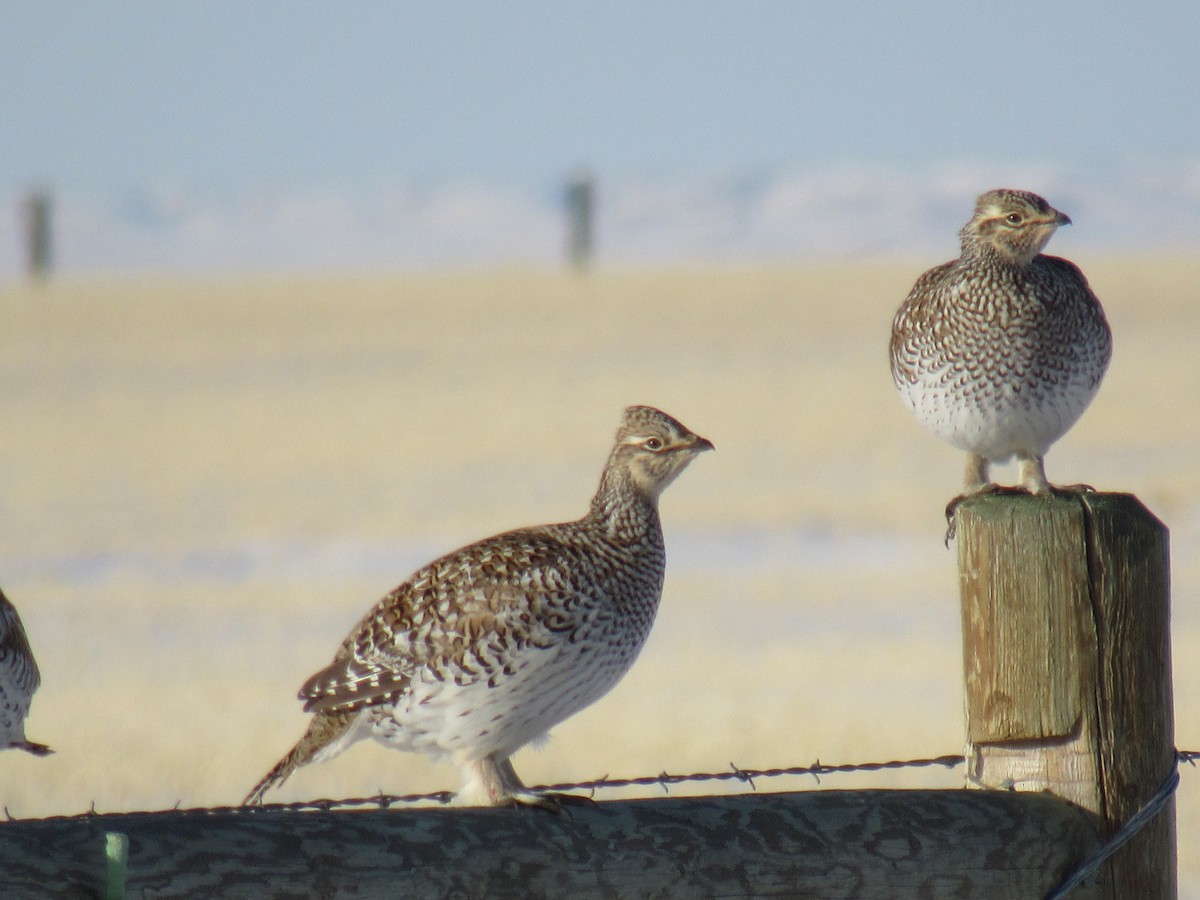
(208,472)
(204,483)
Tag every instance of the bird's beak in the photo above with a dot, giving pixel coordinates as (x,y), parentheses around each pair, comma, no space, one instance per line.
(1061,218)
(699,445)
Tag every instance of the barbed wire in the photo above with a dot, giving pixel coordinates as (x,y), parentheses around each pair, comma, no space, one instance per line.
(663,780)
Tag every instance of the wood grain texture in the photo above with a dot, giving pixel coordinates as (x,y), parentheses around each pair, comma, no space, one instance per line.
(830,844)
(1066,643)
(1022,560)
(1129,562)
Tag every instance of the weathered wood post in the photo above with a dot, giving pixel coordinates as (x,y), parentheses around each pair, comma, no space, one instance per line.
(1066,646)
(580,203)
(37,234)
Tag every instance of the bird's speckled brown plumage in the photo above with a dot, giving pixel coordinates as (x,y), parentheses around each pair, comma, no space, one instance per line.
(1001,350)
(482,651)
(19,678)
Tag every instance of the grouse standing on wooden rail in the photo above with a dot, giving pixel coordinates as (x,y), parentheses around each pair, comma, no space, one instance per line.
(19,678)
(1000,351)
(487,648)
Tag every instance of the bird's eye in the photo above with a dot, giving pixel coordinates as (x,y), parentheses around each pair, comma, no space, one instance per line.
(1013,219)
(652,444)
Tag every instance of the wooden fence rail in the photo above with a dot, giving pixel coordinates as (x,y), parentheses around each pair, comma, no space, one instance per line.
(1069,721)
(896,844)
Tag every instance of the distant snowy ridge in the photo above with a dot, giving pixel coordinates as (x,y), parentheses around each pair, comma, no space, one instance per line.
(795,213)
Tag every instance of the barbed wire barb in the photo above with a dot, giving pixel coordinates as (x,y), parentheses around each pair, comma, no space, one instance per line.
(743,776)
(816,771)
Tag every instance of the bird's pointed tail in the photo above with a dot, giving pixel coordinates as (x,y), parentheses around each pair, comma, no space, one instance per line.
(33,747)
(323,730)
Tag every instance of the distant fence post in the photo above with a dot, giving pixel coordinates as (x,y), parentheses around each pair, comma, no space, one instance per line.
(37,234)
(580,200)
(1066,645)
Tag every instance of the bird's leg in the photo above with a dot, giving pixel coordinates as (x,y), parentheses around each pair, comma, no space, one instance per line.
(514,790)
(1032,471)
(1033,479)
(975,481)
(549,800)
(492,781)
(975,476)
(1033,474)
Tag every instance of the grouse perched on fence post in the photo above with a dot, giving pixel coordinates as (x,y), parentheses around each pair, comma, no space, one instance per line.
(484,650)
(19,678)
(1000,351)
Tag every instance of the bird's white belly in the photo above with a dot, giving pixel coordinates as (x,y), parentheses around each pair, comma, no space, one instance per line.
(471,721)
(999,419)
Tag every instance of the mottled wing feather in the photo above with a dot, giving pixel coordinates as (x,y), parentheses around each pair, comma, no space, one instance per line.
(1093,333)
(16,656)
(1066,270)
(1071,279)
(460,616)
(905,347)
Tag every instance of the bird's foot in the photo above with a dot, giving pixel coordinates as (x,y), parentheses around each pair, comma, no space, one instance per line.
(492,781)
(549,801)
(1057,490)
(1071,490)
(974,491)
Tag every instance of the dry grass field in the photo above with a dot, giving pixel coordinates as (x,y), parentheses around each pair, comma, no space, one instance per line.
(204,484)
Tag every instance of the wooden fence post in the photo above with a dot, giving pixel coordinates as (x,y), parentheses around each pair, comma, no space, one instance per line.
(1066,646)
(38,234)
(580,202)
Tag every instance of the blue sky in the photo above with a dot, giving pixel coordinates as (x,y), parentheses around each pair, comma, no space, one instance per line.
(228,92)
(224,96)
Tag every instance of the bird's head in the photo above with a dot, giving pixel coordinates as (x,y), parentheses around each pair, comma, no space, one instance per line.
(652,449)
(1014,224)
